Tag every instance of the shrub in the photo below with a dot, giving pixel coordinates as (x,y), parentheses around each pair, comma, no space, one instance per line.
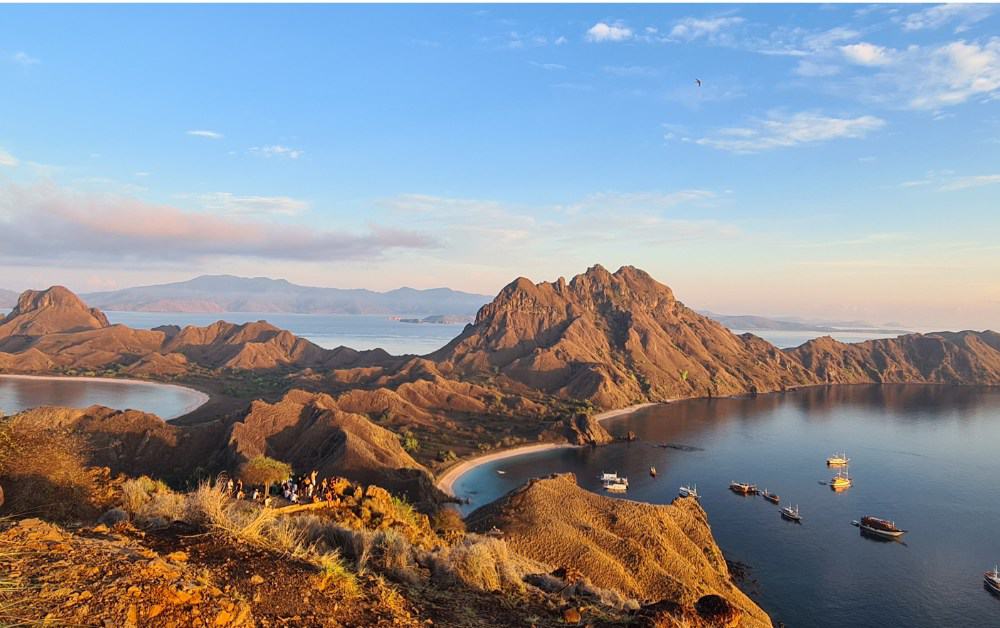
(410,442)
(448,524)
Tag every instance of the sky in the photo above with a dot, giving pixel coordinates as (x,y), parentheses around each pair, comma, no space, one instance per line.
(835,161)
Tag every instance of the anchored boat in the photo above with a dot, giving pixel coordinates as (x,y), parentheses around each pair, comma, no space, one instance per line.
(841,481)
(880,527)
(838,460)
(652,472)
(791,513)
(743,488)
(619,486)
(769,496)
(992,579)
(689,491)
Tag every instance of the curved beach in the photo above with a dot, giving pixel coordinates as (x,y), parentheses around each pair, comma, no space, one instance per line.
(447,481)
(200,398)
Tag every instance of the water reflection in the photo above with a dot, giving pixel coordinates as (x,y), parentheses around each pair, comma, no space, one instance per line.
(167,402)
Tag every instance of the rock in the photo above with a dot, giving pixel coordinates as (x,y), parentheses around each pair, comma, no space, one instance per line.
(113,517)
(256,580)
(716,610)
(177,557)
(155,610)
(224,617)
(571,616)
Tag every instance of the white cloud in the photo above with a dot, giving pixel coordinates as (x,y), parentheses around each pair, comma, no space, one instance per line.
(784,131)
(608,32)
(228,203)
(948,75)
(277,150)
(548,66)
(560,40)
(23,58)
(691,28)
(6,159)
(964,183)
(966,15)
(812,69)
(867,54)
(212,135)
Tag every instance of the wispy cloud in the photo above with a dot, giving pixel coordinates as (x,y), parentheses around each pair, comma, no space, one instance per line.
(6,159)
(964,16)
(212,135)
(780,130)
(24,59)
(234,204)
(867,54)
(277,150)
(48,222)
(692,28)
(602,32)
(975,181)
(548,66)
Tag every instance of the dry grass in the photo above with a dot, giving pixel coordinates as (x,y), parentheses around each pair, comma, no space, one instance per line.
(151,503)
(482,563)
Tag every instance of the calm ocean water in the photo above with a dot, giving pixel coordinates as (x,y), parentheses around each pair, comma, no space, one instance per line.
(328,331)
(167,402)
(926,456)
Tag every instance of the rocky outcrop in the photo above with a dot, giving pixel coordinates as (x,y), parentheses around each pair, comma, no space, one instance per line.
(643,551)
(50,311)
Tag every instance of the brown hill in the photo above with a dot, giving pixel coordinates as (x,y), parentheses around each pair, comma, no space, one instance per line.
(615,339)
(50,311)
(641,550)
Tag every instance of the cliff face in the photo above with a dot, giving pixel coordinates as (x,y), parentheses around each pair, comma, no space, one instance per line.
(644,551)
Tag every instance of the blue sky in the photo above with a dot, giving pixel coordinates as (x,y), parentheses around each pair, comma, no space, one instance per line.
(836,161)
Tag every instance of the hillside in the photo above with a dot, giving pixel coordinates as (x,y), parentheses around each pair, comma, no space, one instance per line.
(226,293)
(644,551)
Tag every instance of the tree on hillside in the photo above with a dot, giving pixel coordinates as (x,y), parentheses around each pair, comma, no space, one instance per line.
(266,471)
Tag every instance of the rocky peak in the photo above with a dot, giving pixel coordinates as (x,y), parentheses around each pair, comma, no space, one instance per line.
(51,311)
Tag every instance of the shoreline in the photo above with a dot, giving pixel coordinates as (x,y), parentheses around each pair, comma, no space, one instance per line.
(447,480)
(201,398)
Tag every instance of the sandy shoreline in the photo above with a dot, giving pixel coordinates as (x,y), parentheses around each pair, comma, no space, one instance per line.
(447,481)
(201,398)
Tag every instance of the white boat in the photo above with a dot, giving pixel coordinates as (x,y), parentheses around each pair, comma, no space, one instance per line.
(791,513)
(689,491)
(499,472)
(992,579)
(619,486)
(613,478)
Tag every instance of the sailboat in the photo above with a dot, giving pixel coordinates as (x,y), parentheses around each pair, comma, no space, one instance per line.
(841,481)
(791,513)
(689,490)
(838,460)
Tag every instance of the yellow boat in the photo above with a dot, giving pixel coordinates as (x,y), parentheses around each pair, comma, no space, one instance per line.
(841,481)
(837,460)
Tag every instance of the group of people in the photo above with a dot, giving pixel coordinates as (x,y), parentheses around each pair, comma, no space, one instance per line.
(296,489)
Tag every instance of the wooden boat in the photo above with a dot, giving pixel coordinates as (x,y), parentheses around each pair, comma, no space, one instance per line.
(838,460)
(841,481)
(880,527)
(743,488)
(652,472)
(791,513)
(689,491)
(992,580)
(771,497)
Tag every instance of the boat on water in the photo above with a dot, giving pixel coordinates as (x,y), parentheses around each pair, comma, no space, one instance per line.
(652,472)
(499,472)
(838,460)
(689,491)
(841,481)
(771,497)
(992,580)
(880,527)
(606,477)
(743,488)
(619,486)
(791,513)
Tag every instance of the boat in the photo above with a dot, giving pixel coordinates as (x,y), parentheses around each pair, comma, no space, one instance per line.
(838,460)
(499,472)
(880,527)
(791,513)
(769,496)
(992,580)
(619,486)
(652,471)
(841,481)
(689,491)
(743,488)
(612,478)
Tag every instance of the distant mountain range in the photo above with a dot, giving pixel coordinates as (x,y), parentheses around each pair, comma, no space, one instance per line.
(226,293)
(8,298)
(749,322)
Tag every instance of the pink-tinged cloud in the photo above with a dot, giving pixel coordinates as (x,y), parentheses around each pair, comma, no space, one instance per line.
(44,222)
